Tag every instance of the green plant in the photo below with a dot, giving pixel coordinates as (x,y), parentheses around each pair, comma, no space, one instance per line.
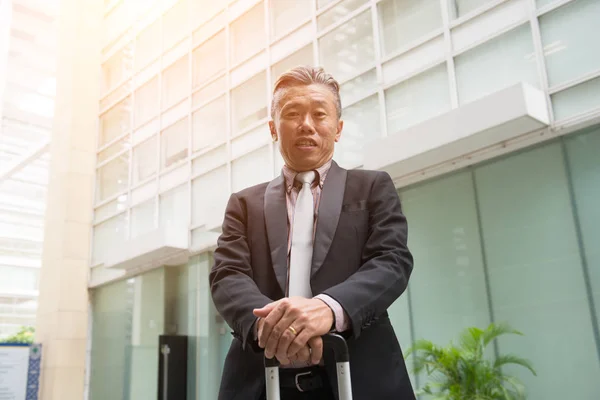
(463,372)
(25,336)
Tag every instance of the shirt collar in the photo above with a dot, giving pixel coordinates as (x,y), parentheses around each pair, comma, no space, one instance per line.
(290,175)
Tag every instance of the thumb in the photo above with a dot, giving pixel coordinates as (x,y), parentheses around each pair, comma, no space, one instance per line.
(264,312)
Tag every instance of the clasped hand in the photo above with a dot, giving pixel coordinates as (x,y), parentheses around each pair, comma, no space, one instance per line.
(309,319)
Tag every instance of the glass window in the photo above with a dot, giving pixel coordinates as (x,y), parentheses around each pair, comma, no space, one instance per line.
(174,208)
(175,24)
(536,277)
(566,32)
(509,58)
(209,91)
(209,197)
(146,102)
(175,82)
(405,21)
(108,235)
(128,317)
(144,160)
(114,149)
(459,8)
(208,59)
(448,247)
(247,34)
(209,124)
(116,68)
(249,103)
(359,87)
(143,218)
(113,177)
(174,143)
(361,126)
(146,46)
(584,163)
(251,169)
(576,100)
(417,99)
(18,279)
(111,208)
(348,48)
(304,56)
(287,15)
(115,122)
(337,13)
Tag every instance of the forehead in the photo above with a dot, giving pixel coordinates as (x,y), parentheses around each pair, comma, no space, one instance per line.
(307,94)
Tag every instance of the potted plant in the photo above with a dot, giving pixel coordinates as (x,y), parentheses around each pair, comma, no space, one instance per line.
(463,372)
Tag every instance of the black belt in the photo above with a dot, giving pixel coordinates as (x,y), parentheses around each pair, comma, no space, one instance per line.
(303,379)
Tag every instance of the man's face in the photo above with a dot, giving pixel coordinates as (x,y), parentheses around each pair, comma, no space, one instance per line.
(307,126)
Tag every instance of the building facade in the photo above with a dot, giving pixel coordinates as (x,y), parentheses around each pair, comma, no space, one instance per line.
(27,89)
(484,112)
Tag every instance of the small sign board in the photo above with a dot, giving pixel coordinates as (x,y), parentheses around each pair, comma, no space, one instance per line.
(19,371)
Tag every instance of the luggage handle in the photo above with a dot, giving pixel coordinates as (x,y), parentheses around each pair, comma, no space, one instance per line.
(342,359)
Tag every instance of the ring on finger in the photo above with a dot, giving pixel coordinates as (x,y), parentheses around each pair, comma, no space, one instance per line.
(291,328)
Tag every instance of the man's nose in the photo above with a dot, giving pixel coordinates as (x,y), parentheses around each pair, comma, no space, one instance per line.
(307,124)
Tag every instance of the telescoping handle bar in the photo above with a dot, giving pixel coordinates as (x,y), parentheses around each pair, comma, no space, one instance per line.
(342,361)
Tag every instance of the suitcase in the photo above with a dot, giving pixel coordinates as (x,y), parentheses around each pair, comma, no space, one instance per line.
(342,360)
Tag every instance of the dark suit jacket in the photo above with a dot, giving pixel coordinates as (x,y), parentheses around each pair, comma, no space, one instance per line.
(360,259)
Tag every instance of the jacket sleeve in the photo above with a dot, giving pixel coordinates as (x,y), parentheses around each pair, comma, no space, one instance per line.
(386,261)
(233,289)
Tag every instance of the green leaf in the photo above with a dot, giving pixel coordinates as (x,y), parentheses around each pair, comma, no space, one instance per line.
(512,359)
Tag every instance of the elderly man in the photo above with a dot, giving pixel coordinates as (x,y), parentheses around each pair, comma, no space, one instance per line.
(318,249)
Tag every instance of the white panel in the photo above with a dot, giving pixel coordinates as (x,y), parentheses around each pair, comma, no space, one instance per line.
(145,131)
(209,29)
(146,74)
(414,60)
(174,178)
(175,113)
(495,119)
(209,160)
(176,53)
(143,193)
(489,23)
(297,39)
(240,7)
(250,141)
(248,68)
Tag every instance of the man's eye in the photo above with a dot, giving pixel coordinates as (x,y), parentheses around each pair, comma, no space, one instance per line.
(291,114)
(320,114)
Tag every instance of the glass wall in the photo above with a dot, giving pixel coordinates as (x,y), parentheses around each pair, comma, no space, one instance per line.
(514,240)
(129,316)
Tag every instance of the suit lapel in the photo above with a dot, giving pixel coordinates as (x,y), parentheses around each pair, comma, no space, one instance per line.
(276,223)
(330,207)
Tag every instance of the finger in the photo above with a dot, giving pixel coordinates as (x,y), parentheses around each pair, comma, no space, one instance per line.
(303,355)
(299,342)
(269,323)
(316,349)
(286,339)
(281,333)
(264,312)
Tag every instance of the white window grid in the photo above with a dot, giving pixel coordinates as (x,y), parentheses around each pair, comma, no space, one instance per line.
(128,38)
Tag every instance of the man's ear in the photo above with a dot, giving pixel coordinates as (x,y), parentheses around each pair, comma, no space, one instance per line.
(340,127)
(273,131)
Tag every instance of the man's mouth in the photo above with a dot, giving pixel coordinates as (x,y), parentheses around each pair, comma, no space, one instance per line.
(305,143)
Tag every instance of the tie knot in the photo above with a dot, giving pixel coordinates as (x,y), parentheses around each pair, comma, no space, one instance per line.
(306,177)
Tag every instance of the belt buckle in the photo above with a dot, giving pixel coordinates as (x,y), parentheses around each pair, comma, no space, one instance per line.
(296,380)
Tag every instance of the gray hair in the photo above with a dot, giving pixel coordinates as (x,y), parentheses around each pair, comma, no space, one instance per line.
(305,75)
